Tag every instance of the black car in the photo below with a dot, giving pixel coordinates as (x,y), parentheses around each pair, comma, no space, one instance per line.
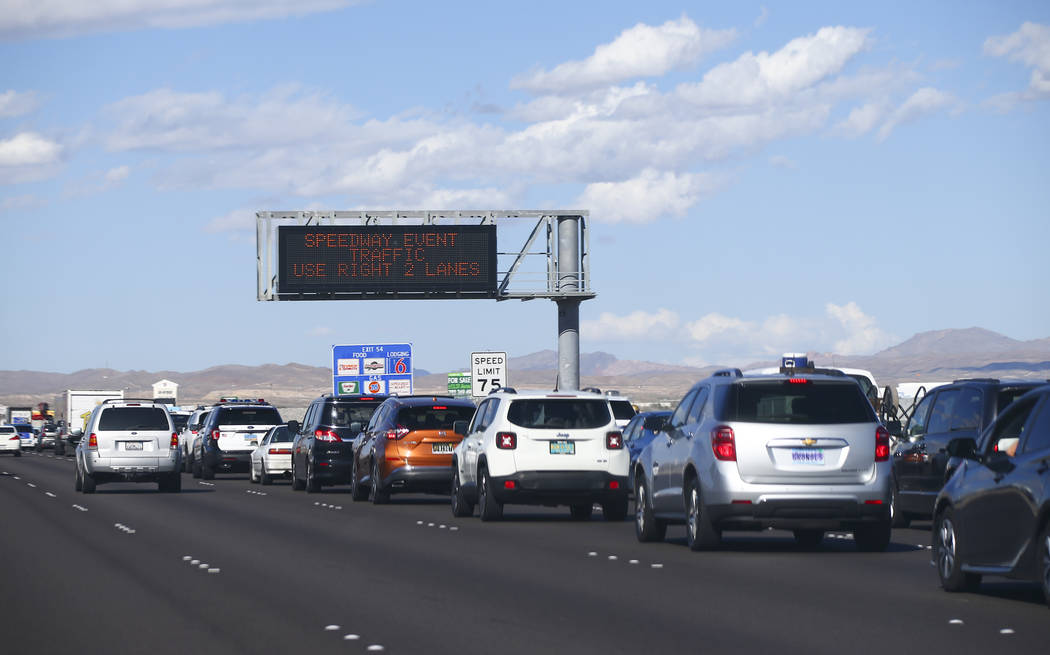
(993,515)
(324,445)
(962,409)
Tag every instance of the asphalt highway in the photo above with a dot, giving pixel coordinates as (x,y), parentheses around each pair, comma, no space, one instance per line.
(231,567)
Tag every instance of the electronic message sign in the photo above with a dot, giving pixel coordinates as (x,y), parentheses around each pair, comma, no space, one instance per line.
(387,260)
(371,369)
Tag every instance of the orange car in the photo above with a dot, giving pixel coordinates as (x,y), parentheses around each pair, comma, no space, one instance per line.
(407,447)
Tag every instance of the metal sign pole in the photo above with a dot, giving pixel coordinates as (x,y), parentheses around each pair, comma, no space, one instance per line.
(568,308)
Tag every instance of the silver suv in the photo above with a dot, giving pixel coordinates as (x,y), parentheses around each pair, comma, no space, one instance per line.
(797,451)
(129,441)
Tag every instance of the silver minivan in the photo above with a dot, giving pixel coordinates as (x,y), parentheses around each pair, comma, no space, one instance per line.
(796,451)
(129,440)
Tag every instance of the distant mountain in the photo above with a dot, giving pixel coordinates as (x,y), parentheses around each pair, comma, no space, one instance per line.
(955,342)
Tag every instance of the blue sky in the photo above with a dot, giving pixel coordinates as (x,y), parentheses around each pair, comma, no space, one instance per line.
(829,176)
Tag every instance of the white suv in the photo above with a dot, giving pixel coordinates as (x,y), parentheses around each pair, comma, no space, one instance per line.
(129,440)
(560,448)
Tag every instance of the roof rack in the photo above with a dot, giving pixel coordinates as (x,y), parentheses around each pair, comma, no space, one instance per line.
(591,389)
(127,400)
(811,370)
(728,373)
(504,390)
(991,380)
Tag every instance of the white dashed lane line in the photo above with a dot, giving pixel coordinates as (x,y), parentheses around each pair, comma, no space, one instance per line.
(207,484)
(439,526)
(327,506)
(199,565)
(254,492)
(350,636)
(80,508)
(48,493)
(123,528)
(616,558)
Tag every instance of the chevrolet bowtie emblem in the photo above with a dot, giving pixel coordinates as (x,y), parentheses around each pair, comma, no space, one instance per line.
(809,442)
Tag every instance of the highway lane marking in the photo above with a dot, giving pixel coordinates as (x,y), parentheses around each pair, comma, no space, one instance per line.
(376,648)
(614,558)
(440,526)
(257,493)
(1006,631)
(207,484)
(201,566)
(123,528)
(48,493)
(31,485)
(327,506)
(332,627)
(82,509)
(351,637)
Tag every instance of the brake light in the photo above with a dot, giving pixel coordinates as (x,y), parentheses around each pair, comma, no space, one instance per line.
(92,440)
(174,440)
(506,440)
(396,433)
(798,381)
(882,444)
(440,407)
(15,438)
(280,451)
(215,434)
(614,440)
(723,443)
(326,436)
(614,484)
(509,484)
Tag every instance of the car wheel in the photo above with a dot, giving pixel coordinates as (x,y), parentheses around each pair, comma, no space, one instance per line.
(581,511)
(488,507)
(18,453)
(196,468)
(313,485)
(78,482)
(376,494)
(1044,561)
(460,505)
(809,539)
(87,482)
(898,518)
(646,526)
(251,474)
(700,533)
(207,472)
(873,538)
(615,510)
(357,490)
(297,483)
(265,478)
(187,463)
(947,555)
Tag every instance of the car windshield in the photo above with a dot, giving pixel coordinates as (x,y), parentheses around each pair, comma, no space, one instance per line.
(343,414)
(433,417)
(133,418)
(622,409)
(559,413)
(812,402)
(249,416)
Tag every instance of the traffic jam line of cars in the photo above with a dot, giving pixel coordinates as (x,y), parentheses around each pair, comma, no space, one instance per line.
(801,449)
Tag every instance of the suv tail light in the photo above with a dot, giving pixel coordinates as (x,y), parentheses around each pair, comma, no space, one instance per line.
(723,443)
(215,434)
(396,433)
(614,440)
(326,435)
(882,444)
(506,440)
(15,438)
(93,440)
(174,440)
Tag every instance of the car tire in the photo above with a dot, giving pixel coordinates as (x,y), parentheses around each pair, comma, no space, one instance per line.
(265,478)
(898,517)
(251,473)
(187,463)
(87,482)
(873,537)
(196,468)
(377,495)
(313,485)
(357,490)
(461,506)
(207,472)
(18,453)
(947,555)
(489,509)
(646,526)
(78,482)
(615,510)
(581,511)
(1044,561)
(809,539)
(700,532)
(297,483)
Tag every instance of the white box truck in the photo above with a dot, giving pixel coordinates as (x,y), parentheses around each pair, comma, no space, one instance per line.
(77,406)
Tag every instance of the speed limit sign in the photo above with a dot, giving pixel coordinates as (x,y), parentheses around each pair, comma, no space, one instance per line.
(488,371)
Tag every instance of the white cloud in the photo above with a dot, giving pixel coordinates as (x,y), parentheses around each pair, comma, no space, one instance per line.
(17,203)
(638,325)
(645,198)
(923,102)
(27,157)
(762,78)
(863,119)
(714,324)
(862,336)
(21,19)
(13,103)
(117,175)
(763,16)
(781,161)
(641,51)
(1030,45)
(234,221)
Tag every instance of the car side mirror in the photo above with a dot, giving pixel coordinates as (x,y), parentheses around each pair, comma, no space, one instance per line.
(964,447)
(356,426)
(999,462)
(460,427)
(293,427)
(77,432)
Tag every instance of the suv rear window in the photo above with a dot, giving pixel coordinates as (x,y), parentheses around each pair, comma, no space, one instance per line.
(180,420)
(7,430)
(558,413)
(249,416)
(133,418)
(428,417)
(811,403)
(343,414)
(622,409)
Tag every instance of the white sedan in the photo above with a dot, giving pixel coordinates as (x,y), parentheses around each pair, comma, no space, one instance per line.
(272,458)
(10,442)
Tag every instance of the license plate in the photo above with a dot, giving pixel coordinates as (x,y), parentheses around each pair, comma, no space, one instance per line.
(563,448)
(133,445)
(443,448)
(807,456)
